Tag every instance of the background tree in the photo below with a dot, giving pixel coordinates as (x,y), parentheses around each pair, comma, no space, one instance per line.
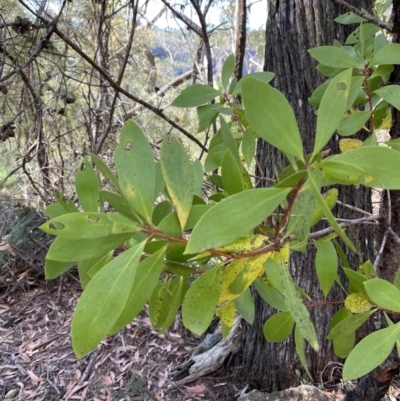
(293,27)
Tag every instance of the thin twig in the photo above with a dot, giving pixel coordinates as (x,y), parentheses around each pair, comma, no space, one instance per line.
(385,235)
(367,16)
(353,208)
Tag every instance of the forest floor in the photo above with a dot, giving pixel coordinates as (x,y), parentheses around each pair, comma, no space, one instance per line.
(37,361)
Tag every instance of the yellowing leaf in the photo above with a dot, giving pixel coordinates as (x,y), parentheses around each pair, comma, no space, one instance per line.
(349,144)
(245,244)
(227,314)
(357,303)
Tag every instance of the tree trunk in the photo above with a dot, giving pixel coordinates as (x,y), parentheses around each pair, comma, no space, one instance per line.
(293,27)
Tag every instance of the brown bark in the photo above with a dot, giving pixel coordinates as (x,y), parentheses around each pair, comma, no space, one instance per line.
(293,27)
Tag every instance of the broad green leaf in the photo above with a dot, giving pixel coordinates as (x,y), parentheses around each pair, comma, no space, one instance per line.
(67,250)
(249,145)
(263,76)
(349,324)
(227,70)
(206,116)
(87,186)
(396,281)
(342,345)
(198,177)
(273,270)
(353,123)
(105,170)
(383,294)
(368,32)
(229,141)
(313,177)
(66,203)
(54,268)
(160,184)
(342,173)
(89,225)
(272,118)
(390,93)
(378,175)
(390,323)
(245,306)
(326,264)
(330,198)
(349,18)
(302,211)
(234,217)
(342,255)
(370,352)
(292,180)
(196,212)
(103,300)
(389,54)
(278,327)
(120,204)
(270,295)
(54,210)
(161,210)
(200,301)
(333,106)
(136,169)
(299,341)
(83,269)
(147,273)
(297,309)
(170,225)
(393,143)
(356,94)
(100,264)
(214,157)
(333,56)
(231,174)
(356,281)
(195,95)
(316,96)
(179,177)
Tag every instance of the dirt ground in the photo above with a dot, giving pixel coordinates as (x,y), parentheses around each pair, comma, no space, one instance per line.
(37,362)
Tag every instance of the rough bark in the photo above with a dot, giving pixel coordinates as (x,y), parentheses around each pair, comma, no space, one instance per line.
(293,27)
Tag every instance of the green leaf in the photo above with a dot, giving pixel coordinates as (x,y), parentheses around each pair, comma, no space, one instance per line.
(195,95)
(234,217)
(389,54)
(119,203)
(136,169)
(206,116)
(249,145)
(302,211)
(273,270)
(370,352)
(330,198)
(229,141)
(353,123)
(368,32)
(105,170)
(147,273)
(378,175)
(227,70)
(179,177)
(100,264)
(383,294)
(297,309)
(278,327)
(263,76)
(67,250)
(54,210)
(299,341)
(245,306)
(196,212)
(66,203)
(161,210)
(349,324)
(349,18)
(87,187)
(198,177)
(390,93)
(54,268)
(396,281)
(313,177)
(333,56)
(200,301)
(356,281)
(326,264)
(170,225)
(342,173)
(270,295)
(333,106)
(214,157)
(83,269)
(103,300)
(89,225)
(231,174)
(356,94)
(271,116)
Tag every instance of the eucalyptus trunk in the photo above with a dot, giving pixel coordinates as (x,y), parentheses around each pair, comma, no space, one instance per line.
(293,27)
